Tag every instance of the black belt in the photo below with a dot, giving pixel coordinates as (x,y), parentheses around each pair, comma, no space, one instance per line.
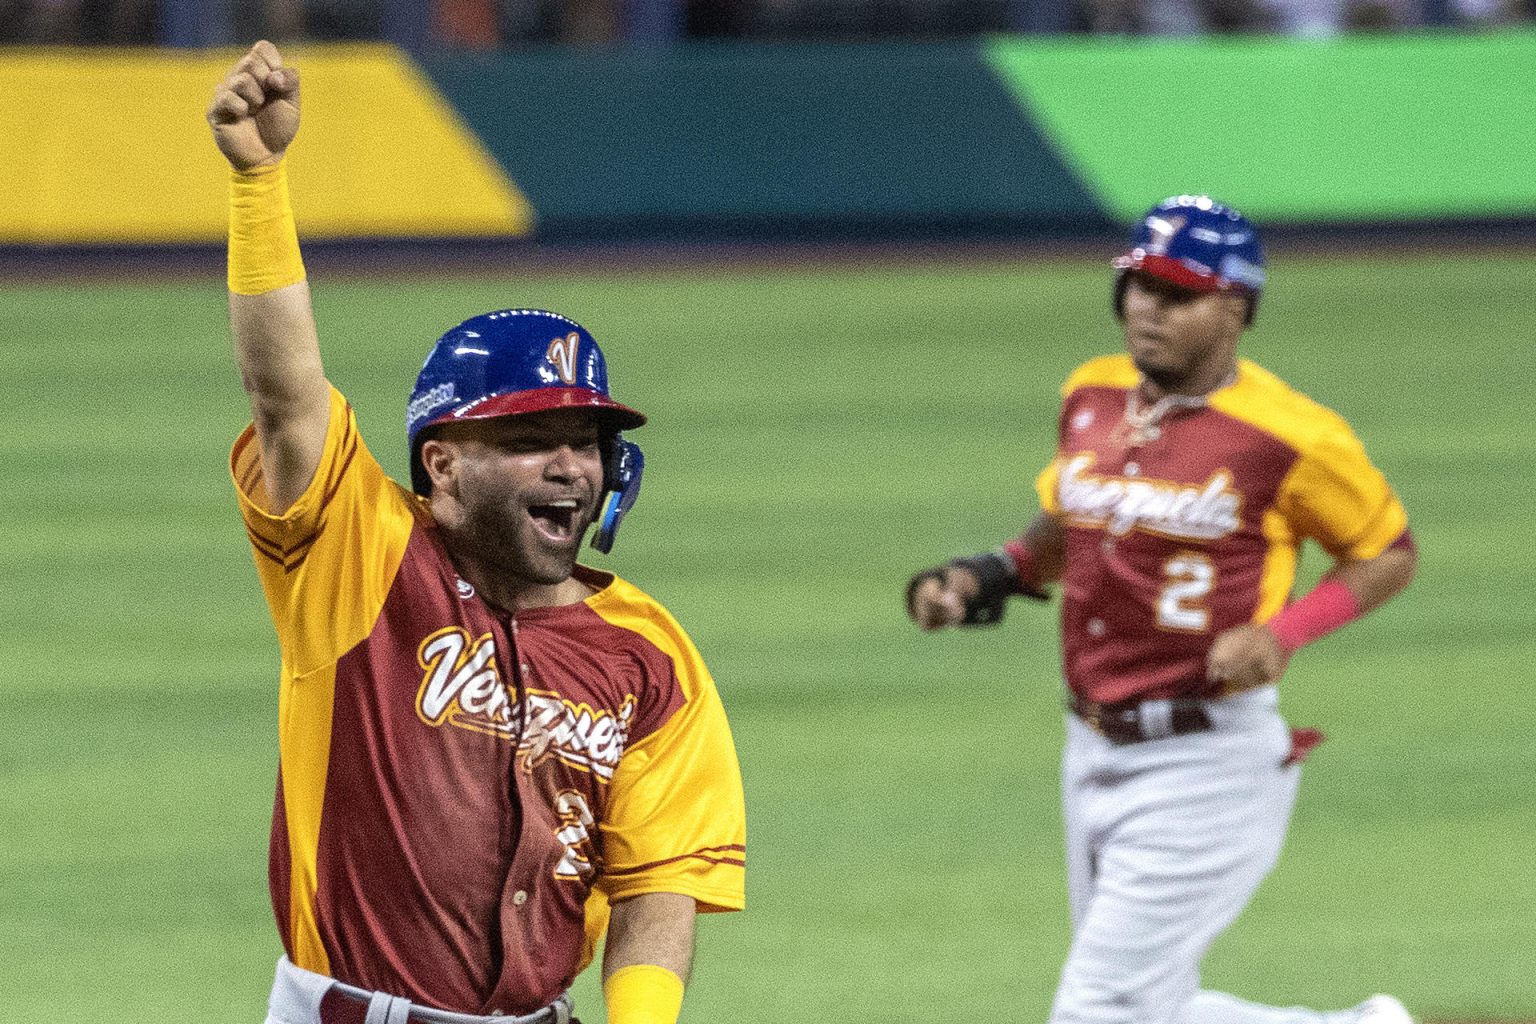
(1132,721)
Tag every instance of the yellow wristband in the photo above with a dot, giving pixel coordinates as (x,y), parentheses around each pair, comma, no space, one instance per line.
(643,994)
(263,241)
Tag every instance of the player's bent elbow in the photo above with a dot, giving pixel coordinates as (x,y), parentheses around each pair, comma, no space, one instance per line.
(1382,578)
(1407,568)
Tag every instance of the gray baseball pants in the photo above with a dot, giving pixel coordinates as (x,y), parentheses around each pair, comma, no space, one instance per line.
(1167,840)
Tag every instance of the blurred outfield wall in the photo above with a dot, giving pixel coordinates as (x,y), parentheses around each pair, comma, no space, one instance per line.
(1005,136)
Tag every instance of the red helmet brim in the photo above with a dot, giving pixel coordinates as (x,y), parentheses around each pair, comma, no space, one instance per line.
(1176,272)
(519,403)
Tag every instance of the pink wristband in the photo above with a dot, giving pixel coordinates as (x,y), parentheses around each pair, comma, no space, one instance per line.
(1023,564)
(1330,606)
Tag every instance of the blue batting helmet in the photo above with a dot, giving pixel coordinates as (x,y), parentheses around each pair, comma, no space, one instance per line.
(1197,243)
(517,361)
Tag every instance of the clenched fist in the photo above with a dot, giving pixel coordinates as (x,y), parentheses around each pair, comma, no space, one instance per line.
(1246,656)
(937,599)
(255,110)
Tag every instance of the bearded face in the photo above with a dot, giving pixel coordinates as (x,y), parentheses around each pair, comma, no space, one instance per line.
(524,489)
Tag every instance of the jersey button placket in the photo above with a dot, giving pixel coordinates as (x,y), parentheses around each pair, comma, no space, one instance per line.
(517,792)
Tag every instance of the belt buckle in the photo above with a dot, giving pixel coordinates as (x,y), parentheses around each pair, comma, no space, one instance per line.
(1120,723)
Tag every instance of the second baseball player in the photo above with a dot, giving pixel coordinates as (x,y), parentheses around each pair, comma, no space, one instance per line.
(1184,483)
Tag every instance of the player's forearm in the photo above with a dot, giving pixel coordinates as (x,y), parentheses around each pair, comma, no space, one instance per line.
(273,325)
(653,928)
(1039,554)
(270,313)
(1046,542)
(1375,581)
(647,957)
(278,350)
(1347,591)
(974,590)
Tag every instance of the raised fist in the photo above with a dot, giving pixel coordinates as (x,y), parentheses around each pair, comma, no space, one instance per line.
(255,110)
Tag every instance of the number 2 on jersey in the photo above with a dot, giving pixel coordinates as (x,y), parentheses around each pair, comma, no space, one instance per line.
(1189,578)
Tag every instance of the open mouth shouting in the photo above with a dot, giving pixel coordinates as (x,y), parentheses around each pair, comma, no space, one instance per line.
(559,522)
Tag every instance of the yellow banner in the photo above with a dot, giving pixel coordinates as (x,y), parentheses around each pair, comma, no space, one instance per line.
(111,146)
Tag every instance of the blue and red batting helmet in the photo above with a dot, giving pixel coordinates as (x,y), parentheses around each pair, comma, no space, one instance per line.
(1197,243)
(517,361)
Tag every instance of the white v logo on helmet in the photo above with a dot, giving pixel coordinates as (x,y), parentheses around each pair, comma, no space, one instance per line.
(562,353)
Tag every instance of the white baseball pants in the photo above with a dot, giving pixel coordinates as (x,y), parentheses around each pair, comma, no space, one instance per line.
(1167,840)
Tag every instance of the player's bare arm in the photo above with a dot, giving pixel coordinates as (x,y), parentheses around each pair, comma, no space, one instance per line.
(648,955)
(1375,581)
(940,597)
(652,928)
(1047,544)
(254,115)
(1251,654)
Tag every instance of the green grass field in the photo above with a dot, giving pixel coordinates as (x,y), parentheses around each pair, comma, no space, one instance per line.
(815,437)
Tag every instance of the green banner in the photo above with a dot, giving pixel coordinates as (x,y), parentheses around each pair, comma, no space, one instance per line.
(1388,128)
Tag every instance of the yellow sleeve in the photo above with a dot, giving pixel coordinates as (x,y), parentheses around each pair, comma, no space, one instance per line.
(676,815)
(1114,371)
(327,562)
(1337,497)
(1045,487)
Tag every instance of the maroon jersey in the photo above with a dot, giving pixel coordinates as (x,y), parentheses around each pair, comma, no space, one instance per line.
(1185,520)
(462,789)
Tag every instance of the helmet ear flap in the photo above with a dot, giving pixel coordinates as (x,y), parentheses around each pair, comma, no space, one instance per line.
(623,465)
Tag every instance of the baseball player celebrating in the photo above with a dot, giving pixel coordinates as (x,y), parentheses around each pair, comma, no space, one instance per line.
(1184,483)
(489,754)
